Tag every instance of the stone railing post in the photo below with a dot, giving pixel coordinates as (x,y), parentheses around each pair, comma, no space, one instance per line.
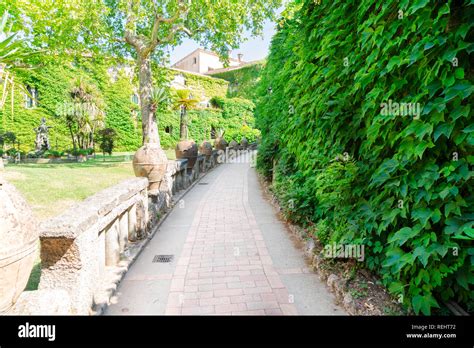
(112,244)
(78,246)
(132,223)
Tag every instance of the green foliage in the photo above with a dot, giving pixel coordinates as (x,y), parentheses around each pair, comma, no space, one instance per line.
(402,187)
(202,87)
(251,134)
(200,122)
(81,152)
(107,140)
(123,115)
(235,107)
(52,154)
(242,82)
(54,81)
(7,138)
(83,113)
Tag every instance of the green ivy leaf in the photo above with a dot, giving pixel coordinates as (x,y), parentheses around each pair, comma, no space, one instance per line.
(422,215)
(421,253)
(424,303)
(417,5)
(401,236)
(443,129)
(459,73)
(461,278)
(394,61)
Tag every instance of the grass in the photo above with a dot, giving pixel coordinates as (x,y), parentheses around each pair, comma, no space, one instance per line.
(35,274)
(52,188)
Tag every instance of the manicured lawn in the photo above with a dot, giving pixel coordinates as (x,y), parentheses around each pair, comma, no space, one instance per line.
(52,188)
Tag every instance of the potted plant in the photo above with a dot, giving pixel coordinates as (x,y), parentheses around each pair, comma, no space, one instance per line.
(185,148)
(150,160)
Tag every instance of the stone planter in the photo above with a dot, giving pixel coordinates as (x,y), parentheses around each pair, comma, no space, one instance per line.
(206,149)
(187,149)
(244,143)
(233,144)
(150,161)
(18,244)
(220,143)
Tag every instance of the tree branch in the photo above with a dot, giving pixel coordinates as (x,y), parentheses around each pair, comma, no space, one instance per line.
(130,36)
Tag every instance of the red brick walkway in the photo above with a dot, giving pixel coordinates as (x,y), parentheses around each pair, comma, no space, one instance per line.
(225,267)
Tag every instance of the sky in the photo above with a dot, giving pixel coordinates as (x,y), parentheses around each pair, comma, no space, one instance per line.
(255,48)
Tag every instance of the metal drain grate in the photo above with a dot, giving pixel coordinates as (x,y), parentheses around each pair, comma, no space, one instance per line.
(163,258)
(203,183)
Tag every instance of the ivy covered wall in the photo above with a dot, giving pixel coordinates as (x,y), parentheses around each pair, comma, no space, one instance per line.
(203,87)
(54,81)
(355,173)
(243,82)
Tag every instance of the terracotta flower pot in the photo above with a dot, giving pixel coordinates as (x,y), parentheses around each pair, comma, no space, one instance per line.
(150,161)
(18,244)
(189,150)
(206,148)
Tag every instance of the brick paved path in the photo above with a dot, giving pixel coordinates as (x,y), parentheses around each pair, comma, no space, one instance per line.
(224,265)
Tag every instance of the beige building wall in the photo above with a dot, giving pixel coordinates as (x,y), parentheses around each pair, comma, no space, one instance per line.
(201,62)
(189,63)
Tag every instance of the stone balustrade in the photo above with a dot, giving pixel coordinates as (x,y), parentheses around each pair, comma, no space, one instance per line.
(78,245)
(94,241)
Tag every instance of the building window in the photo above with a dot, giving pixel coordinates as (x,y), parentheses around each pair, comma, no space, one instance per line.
(195,60)
(213,132)
(135,99)
(31,97)
(169,129)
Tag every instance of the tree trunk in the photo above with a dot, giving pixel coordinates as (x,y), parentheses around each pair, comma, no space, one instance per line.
(183,129)
(72,137)
(149,124)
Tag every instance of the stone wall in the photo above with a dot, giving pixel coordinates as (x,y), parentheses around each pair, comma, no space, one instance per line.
(86,250)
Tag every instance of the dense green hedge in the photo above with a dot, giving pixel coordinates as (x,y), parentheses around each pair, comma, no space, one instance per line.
(399,185)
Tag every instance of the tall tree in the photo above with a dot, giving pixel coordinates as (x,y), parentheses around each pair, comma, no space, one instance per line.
(138,29)
(148,27)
